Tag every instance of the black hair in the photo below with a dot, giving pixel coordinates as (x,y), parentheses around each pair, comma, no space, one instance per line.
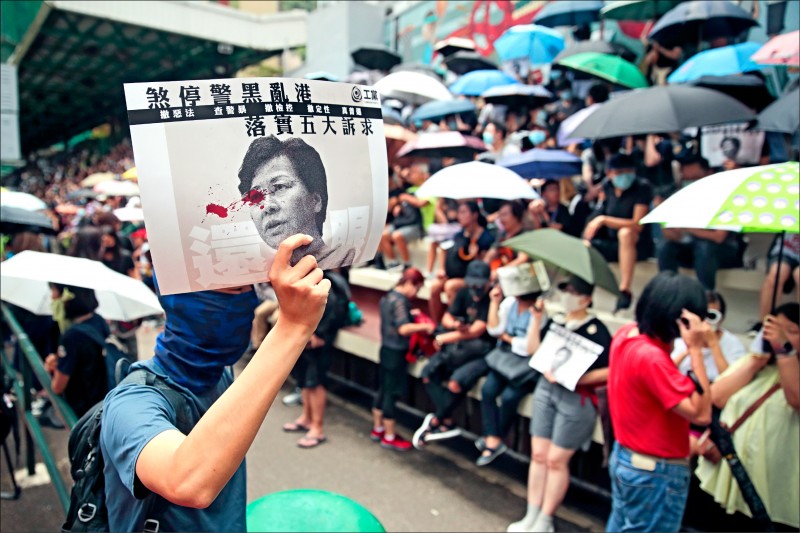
(501,128)
(790,310)
(713,297)
(734,140)
(517,208)
(599,93)
(86,243)
(530,296)
(662,302)
(476,209)
(549,183)
(305,161)
(83,303)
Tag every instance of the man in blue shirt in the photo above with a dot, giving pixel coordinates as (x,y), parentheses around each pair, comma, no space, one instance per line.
(201,475)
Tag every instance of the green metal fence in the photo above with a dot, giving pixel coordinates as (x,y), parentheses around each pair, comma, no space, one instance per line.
(30,365)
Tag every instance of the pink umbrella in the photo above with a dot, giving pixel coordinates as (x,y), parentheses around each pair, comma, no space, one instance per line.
(781,50)
(443,144)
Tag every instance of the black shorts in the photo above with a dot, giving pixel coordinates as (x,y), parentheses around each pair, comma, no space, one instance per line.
(312,368)
(609,249)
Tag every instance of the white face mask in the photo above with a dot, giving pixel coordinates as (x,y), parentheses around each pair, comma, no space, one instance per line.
(572,302)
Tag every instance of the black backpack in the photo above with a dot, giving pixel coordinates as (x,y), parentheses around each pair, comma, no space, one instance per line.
(87,508)
(113,349)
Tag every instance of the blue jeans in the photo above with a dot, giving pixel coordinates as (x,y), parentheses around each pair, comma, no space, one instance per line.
(497,420)
(643,500)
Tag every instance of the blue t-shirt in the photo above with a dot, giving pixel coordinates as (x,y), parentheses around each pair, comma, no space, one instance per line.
(134,414)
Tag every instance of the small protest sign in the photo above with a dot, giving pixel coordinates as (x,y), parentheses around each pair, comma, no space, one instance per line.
(229,168)
(566,355)
(734,142)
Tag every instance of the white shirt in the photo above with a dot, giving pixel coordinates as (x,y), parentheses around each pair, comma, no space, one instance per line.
(730,345)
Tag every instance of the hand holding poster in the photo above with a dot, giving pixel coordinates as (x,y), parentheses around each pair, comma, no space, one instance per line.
(566,355)
(731,142)
(229,168)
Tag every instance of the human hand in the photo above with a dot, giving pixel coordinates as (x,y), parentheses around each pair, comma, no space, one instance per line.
(50,363)
(440,274)
(537,310)
(730,164)
(315,342)
(301,290)
(592,228)
(711,338)
(693,330)
(430,328)
(548,375)
(774,333)
(496,294)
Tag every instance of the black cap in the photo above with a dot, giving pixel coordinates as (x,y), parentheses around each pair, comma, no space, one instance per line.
(620,161)
(478,273)
(580,285)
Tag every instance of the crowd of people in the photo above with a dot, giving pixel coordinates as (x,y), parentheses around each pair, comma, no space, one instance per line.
(658,378)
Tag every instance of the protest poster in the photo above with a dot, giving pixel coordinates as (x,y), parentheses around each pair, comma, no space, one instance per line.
(229,168)
(566,355)
(731,142)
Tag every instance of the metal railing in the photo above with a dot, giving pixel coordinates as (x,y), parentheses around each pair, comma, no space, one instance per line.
(30,365)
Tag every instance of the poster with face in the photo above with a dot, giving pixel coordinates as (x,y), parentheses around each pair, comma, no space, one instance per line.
(732,142)
(229,168)
(566,355)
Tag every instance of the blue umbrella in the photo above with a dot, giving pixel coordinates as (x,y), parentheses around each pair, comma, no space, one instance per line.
(478,82)
(440,109)
(539,44)
(390,116)
(568,13)
(723,61)
(539,163)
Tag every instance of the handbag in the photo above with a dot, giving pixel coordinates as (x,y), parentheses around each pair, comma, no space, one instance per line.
(710,452)
(511,366)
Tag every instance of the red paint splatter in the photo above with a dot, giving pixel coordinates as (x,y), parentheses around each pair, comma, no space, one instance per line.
(214,209)
(252,197)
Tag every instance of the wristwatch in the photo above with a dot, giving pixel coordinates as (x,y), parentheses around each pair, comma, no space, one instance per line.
(787,350)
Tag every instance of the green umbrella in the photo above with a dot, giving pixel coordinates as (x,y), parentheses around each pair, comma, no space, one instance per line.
(607,67)
(637,9)
(567,253)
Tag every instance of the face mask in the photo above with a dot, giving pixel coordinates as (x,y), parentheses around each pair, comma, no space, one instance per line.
(541,118)
(624,181)
(488,137)
(555,74)
(477,291)
(572,302)
(60,312)
(452,125)
(537,137)
(565,95)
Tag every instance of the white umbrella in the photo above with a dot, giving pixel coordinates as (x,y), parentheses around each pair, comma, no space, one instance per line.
(571,122)
(24,282)
(117,188)
(476,180)
(21,200)
(97,177)
(412,87)
(129,214)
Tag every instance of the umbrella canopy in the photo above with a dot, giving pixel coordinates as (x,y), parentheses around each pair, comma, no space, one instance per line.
(599,47)
(412,87)
(81,193)
(364,77)
(390,116)
(721,61)
(463,62)
(637,9)
(780,50)
(478,82)
(662,109)
(438,110)
(567,253)
(321,75)
(117,188)
(782,116)
(539,44)
(129,214)
(701,20)
(568,13)
(539,163)
(16,220)
(564,135)
(476,180)
(418,67)
(748,89)
(99,177)
(518,95)
(22,200)
(443,144)
(377,57)
(451,45)
(130,174)
(763,199)
(607,67)
(25,280)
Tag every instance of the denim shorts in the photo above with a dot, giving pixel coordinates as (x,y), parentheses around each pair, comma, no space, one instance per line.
(643,500)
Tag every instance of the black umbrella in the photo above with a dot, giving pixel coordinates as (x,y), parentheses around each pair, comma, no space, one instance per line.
(601,47)
(16,220)
(661,109)
(517,95)
(450,46)
(417,67)
(783,115)
(750,90)
(376,57)
(568,13)
(463,62)
(691,22)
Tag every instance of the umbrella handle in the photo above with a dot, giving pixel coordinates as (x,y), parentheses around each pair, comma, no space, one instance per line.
(777,273)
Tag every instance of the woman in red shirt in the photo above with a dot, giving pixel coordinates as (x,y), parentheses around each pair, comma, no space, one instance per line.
(652,404)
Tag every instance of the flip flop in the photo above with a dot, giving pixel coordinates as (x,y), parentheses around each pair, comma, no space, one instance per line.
(294,427)
(310,442)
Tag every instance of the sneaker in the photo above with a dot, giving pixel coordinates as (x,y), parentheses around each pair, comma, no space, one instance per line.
(418,439)
(484,460)
(480,444)
(377,436)
(624,301)
(754,329)
(442,432)
(398,443)
(293,399)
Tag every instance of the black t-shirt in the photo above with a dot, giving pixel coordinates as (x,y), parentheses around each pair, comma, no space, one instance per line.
(660,175)
(457,257)
(594,330)
(80,356)
(122,264)
(395,311)
(465,309)
(639,193)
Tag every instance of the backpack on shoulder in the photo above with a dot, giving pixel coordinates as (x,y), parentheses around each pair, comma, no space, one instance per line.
(87,508)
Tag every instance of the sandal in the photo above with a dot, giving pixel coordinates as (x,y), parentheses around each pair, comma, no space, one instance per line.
(294,427)
(493,454)
(307,442)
